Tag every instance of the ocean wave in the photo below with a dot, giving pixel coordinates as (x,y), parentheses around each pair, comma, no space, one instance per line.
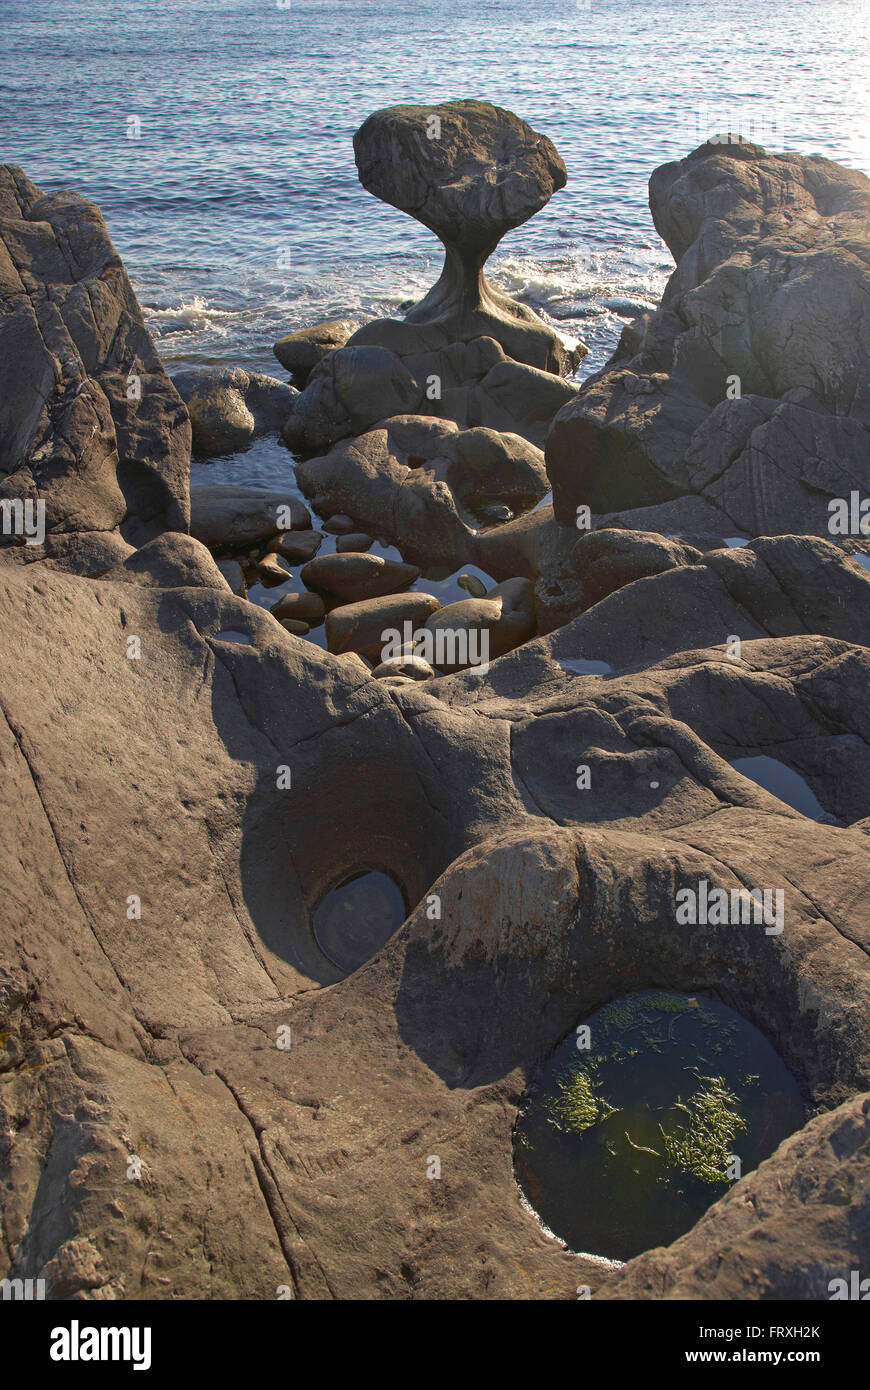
(582,286)
(627,308)
(196,313)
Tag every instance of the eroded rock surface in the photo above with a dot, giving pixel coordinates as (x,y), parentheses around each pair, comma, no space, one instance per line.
(90,423)
(748,389)
(552,900)
(467,353)
(469,171)
(424,484)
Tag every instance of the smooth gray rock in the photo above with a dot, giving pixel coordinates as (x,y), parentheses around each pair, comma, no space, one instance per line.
(300,352)
(170,561)
(296,546)
(414,506)
(352,542)
(229,407)
(310,608)
(356,576)
(273,570)
(605,560)
(488,468)
(414,667)
(361,627)
(506,615)
(421,484)
(346,393)
(232,517)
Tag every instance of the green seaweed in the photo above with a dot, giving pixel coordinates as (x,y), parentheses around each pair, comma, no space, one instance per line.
(641,1148)
(577,1106)
(702,1146)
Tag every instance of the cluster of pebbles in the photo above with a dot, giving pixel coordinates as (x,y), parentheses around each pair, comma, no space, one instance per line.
(357,596)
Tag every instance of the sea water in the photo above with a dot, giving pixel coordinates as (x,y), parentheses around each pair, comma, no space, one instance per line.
(216,137)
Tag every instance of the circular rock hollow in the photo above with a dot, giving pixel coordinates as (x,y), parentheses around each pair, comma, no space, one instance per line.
(645,1116)
(357,917)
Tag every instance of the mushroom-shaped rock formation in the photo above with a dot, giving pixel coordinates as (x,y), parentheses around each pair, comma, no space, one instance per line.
(469,171)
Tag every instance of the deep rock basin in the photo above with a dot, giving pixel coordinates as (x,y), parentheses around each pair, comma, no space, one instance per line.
(357,917)
(645,1116)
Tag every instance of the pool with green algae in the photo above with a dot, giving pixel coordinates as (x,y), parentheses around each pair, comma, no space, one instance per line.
(623,1144)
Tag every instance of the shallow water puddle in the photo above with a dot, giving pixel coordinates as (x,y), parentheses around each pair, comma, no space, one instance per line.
(268,463)
(445,586)
(357,917)
(624,1145)
(583,666)
(783,782)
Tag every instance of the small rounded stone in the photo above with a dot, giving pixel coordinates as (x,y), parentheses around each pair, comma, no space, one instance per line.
(413,666)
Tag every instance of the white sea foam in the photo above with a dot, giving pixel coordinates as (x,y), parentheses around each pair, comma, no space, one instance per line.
(602,1261)
(186,316)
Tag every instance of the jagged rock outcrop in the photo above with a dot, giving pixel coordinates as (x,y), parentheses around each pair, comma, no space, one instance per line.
(90,423)
(748,390)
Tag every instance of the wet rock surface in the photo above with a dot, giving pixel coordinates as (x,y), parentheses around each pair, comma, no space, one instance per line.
(300,352)
(228,407)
